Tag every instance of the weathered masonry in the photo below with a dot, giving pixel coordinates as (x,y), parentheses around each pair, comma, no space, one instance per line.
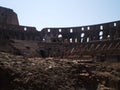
(8,16)
(101,41)
(106,31)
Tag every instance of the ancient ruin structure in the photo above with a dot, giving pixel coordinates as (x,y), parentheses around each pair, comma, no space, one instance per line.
(58,58)
(101,41)
(8,16)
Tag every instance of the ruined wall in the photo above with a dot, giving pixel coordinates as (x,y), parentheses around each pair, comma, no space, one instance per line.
(8,16)
(83,34)
(19,32)
(10,28)
(105,31)
(101,41)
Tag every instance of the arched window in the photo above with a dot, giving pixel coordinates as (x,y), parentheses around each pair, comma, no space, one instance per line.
(71,30)
(115,24)
(82,28)
(70,40)
(48,30)
(88,28)
(60,36)
(75,40)
(60,30)
(101,27)
(88,39)
(82,35)
(25,29)
(100,33)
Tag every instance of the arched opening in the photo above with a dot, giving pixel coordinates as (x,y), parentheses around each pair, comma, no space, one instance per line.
(115,24)
(43,39)
(70,40)
(76,40)
(101,37)
(108,36)
(88,28)
(81,40)
(88,39)
(25,29)
(43,53)
(48,30)
(71,30)
(100,33)
(82,35)
(60,36)
(101,27)
(82,28)
(60,30)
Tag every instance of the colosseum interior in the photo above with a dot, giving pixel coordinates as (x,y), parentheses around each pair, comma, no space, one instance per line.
(68,58)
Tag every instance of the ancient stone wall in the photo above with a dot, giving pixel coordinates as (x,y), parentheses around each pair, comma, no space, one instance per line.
(8,31)
(83,34)
(101,40)
(8,16)
(105,31)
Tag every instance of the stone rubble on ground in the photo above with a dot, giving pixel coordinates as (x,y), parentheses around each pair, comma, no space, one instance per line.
(21,73)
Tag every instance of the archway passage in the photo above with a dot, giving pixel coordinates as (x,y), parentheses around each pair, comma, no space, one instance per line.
(43,53)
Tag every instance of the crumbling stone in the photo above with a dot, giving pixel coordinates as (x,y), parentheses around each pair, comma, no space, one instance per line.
(56,74)
(73,58)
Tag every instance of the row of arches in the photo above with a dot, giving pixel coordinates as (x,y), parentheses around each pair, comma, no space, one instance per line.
(71,30)
(81,37)
(19,35)
(86,33)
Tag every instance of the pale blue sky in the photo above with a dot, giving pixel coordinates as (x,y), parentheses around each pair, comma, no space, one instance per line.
(63,13)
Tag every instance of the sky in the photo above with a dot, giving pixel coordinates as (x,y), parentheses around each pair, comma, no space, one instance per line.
(63,13)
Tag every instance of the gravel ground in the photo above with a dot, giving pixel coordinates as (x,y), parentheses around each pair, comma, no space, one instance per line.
(21,73)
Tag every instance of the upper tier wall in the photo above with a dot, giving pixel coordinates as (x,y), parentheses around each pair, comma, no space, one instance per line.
(8,16)
(105,31)
(9,24)
(99,32)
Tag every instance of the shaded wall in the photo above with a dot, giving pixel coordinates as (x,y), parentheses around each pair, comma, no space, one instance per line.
(8,31)
(105,31)
(8,16)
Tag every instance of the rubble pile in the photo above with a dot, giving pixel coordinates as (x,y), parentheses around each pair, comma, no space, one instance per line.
(21,73)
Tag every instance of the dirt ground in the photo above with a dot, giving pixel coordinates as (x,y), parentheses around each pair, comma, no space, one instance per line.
(21,73)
